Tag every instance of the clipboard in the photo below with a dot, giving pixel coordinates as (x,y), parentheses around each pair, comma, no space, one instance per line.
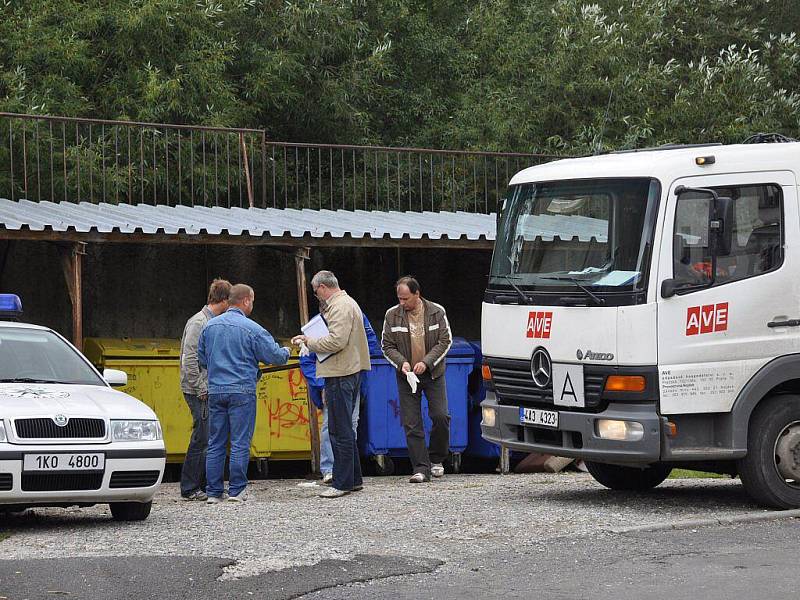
(317,328)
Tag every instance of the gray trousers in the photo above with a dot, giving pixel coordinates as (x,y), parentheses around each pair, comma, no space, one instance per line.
(411,414)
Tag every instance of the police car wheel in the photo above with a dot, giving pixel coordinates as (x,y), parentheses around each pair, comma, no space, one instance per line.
(617,477)
(130,511)
(770,472)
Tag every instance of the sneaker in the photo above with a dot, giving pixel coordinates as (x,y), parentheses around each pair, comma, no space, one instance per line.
(357,488)
(418,478)
(216,499)
(437,470)
(195,495)
(240,497)
(333,493)
(327,478)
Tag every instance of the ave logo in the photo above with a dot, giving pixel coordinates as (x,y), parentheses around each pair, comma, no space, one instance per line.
(707,319)
(539,324)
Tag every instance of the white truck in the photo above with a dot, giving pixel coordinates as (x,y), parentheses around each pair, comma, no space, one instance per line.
(643,313)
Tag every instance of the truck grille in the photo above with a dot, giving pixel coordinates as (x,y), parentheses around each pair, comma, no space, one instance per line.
(513,385)
(45,428)
(133,479)
(57,482)
(6,482)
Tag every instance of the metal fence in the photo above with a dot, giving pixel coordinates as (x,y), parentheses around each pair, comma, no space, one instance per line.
(121,162)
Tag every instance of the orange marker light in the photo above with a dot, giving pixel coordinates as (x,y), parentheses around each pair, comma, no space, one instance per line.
(625,383)
(486,372)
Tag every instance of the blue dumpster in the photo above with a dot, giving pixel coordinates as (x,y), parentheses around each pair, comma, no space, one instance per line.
(477,446)
(381,434)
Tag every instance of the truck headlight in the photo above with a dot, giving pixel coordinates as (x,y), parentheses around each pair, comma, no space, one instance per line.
(135,431)
(489,416)
(623,431)
(2,431)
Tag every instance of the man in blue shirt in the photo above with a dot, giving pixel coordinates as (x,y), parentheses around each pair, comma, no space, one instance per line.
(230,348)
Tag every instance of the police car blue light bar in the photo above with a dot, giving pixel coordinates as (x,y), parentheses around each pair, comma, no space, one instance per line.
(10,306)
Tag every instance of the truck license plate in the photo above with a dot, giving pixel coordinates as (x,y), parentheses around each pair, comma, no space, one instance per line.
(91,461)
(535,416)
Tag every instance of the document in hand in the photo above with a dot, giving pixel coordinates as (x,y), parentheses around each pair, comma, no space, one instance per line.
(317,328)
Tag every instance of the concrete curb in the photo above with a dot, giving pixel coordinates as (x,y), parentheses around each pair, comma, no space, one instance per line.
(695,523)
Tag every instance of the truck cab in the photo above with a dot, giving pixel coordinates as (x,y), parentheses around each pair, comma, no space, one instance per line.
(643,312)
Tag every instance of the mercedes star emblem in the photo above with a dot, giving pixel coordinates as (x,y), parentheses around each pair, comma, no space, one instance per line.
(541,367)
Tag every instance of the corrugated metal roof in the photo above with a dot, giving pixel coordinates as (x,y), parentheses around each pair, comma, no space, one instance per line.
(86,217)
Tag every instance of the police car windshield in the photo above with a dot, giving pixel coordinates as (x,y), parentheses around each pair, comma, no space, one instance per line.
(40,356)
(593,234)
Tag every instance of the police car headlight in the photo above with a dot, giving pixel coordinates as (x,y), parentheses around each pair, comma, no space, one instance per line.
(135,431)
(2,431)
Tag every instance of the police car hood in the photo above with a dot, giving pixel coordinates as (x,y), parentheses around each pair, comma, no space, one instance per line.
(45,400)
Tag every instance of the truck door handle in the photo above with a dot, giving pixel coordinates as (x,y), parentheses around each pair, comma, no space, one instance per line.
(789,323)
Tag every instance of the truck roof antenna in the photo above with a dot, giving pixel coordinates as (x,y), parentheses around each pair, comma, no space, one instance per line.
(599,148)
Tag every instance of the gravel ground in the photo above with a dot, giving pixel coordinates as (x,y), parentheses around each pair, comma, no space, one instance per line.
(285,524)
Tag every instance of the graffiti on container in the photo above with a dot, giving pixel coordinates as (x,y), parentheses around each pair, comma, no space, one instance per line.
(395,406)
(284,394)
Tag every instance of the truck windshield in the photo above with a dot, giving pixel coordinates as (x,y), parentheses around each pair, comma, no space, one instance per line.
(590,235)
(40,356)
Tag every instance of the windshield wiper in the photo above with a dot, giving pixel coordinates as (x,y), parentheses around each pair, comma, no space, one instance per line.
(29,380)
(597,299)
(523,296)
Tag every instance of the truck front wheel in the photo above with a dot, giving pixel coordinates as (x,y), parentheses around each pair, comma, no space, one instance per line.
(616,477)
(770,471)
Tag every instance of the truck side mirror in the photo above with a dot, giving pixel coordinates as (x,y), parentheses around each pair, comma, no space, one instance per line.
(668,288)
(722,225)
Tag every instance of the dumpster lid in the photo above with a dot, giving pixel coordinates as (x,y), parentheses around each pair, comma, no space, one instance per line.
(97,348)
(461,348)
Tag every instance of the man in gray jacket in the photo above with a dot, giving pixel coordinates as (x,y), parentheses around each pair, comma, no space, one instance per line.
(416,338)
(194,385)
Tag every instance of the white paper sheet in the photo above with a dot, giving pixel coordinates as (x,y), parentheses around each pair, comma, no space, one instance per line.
(315,329)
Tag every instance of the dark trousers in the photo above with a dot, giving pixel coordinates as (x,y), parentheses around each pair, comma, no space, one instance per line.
(411,413)
(341,394)
(193,473)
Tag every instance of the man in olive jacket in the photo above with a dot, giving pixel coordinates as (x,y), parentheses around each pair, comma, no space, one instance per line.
(416,338)
(346,343)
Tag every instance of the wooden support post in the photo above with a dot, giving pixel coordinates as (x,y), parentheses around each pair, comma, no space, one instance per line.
(5,251)
(72,265)
(505,460)
(300,257)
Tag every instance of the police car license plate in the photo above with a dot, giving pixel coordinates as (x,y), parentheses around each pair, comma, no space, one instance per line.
(535,416)
(83,461)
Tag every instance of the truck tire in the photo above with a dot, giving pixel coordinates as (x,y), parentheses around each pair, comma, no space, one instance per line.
(770,472)
(616,477)
(130,511)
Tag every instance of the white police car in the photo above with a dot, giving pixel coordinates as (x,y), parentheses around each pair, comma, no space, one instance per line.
(66,437)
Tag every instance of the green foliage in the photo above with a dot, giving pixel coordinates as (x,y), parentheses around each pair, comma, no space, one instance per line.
(538,75)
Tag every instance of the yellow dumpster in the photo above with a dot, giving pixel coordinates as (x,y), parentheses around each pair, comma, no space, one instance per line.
(153,368)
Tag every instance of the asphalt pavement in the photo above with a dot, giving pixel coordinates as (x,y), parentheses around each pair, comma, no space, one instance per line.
(756,560)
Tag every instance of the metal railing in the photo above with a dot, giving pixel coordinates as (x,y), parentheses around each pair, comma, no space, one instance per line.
(123,162)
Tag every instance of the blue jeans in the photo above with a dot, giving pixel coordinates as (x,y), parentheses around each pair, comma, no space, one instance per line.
(341,394)
(231,415)
(193,473)
(326,450)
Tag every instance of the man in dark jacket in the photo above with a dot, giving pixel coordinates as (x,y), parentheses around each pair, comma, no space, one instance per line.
(416,338)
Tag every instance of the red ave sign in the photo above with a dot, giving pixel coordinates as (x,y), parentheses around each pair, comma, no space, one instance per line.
(539,324)
(707,319)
